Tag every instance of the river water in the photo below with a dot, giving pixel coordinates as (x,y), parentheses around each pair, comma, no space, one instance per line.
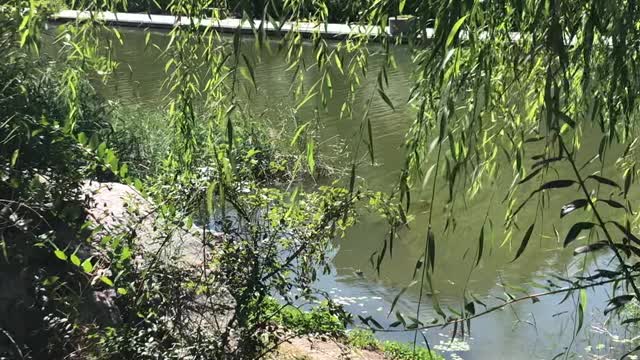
(522,331)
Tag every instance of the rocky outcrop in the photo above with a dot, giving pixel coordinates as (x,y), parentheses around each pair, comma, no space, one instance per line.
(116,207)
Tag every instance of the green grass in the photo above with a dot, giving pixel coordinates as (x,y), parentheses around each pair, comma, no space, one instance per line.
(363,339)
(318,320)
(394,350)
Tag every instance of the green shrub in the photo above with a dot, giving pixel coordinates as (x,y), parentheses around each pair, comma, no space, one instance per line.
(321,319)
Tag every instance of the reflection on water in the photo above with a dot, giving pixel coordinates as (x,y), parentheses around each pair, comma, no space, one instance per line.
(523,331)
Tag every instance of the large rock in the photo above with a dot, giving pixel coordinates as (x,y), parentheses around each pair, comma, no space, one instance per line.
(117,207)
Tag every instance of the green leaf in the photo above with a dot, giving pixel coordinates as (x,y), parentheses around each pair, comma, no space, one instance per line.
(401,6)
(210,197)
(60,254)
(627,182)
(386,99)
(87,266)
(395,300)
(572,206)
(591,247)
(480,245)
(604,180)
(431,249)
(454,30)
(106,280)
(124,170)
(230,132)
(82,138)
(14,157)
(370,132)
(582,305)
(614,204)
(122,291)
(311,162)
(251,72)
(556,184)
(417,267)
(298,133)
(125,254)
(75,260)
(525,241)
(627,233)
(575,230)
(530,176)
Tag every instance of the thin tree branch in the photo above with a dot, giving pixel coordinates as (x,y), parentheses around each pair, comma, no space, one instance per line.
(508,303)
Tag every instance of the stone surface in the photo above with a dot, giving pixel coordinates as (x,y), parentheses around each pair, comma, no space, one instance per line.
(115,207)
(316,349)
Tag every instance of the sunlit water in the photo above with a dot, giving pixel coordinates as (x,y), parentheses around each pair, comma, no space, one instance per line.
(522,331)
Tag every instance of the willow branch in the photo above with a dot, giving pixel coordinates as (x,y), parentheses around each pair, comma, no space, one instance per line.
(615,250)
(511,302)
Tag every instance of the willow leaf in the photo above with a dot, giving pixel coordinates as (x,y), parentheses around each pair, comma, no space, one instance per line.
(525,241)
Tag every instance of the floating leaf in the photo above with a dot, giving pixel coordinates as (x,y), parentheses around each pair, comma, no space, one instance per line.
(575,230)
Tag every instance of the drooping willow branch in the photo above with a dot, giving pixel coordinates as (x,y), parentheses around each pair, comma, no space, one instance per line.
(509,302)
(610,241)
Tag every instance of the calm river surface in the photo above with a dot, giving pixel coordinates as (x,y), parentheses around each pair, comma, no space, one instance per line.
(524,331)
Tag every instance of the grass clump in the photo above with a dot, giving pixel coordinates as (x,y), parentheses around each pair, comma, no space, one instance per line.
(366,340)
(401,351)
(363,339)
